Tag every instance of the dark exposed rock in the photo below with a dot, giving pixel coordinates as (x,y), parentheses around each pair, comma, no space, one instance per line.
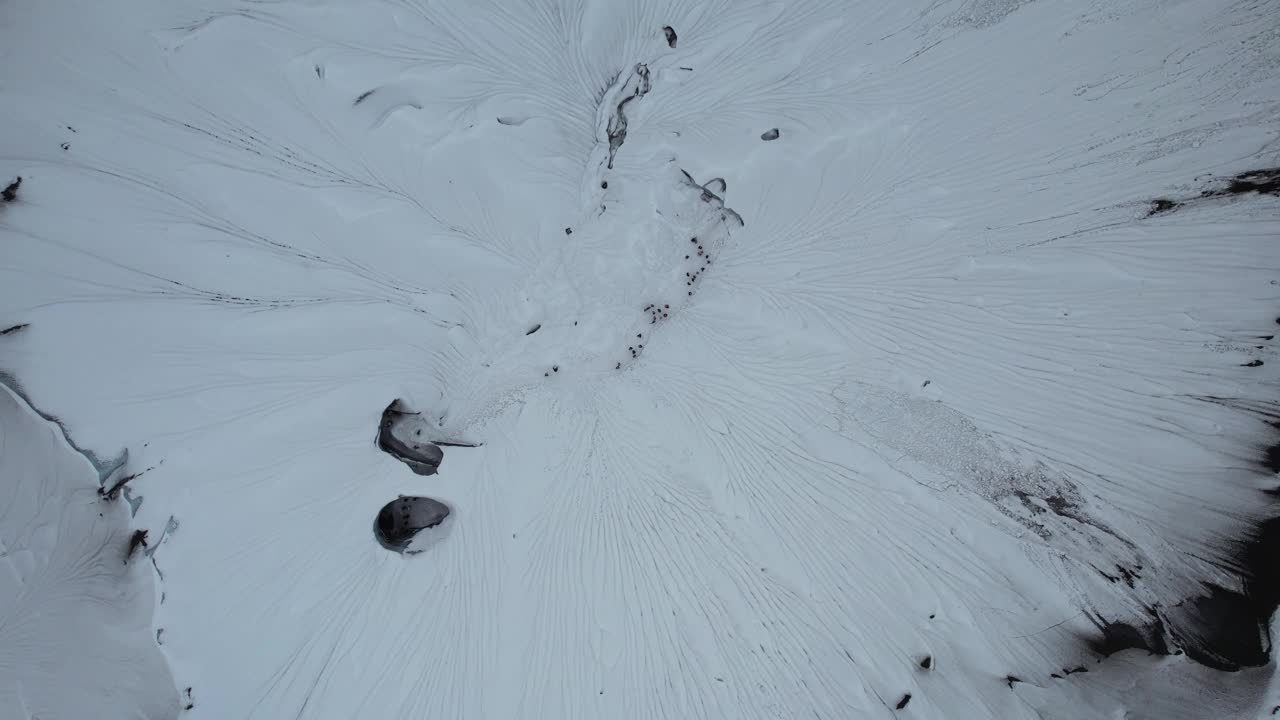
(636,86)
(533,329)
(399,435)
(10,192)
(903,702)
(364,96)
(137,540)
(13,329)
(400,520)
(927,662)
(768,135)
(668,31)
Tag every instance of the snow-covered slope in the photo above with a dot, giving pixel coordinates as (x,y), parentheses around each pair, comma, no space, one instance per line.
(76,596)
(795,359)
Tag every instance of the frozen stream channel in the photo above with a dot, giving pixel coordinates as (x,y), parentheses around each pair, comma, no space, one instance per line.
(639,360)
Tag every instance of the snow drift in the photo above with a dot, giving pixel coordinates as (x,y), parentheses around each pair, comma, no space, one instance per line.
(772,360)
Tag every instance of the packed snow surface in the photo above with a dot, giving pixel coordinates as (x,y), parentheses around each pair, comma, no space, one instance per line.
(748,359)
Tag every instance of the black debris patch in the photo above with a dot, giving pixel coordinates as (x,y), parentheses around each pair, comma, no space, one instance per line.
(604,184)
(113,492)
(1117,636)
(1254,182)
(1077,669)
(137,540)
(668,31)
(400,520)
(65,145)
(771,134)
(400,436)
(1123,574)
(568,231)
(363,96)
(10,192)
(903,702)
(927,662)
(1252,363)
(533,329)
(1011,679)
(1269,457)
(15,328)
(1263,182)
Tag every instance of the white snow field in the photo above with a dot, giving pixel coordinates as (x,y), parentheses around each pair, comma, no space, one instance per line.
(817,358)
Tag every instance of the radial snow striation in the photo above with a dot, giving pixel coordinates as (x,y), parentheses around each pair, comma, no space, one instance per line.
(812,359)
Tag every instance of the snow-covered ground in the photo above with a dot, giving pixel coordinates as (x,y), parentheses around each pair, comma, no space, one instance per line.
(804,359)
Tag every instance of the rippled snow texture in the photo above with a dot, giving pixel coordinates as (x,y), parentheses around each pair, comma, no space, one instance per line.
(940,377)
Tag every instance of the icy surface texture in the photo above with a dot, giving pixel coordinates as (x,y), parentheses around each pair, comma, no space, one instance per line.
(826,337)
(75,617)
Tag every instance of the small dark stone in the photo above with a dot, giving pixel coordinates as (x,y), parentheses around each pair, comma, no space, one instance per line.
(568,231)
(1252,363)
(604,184)
(903,702)
(533,329)
(927,662)
(1011,679)
(768,135)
